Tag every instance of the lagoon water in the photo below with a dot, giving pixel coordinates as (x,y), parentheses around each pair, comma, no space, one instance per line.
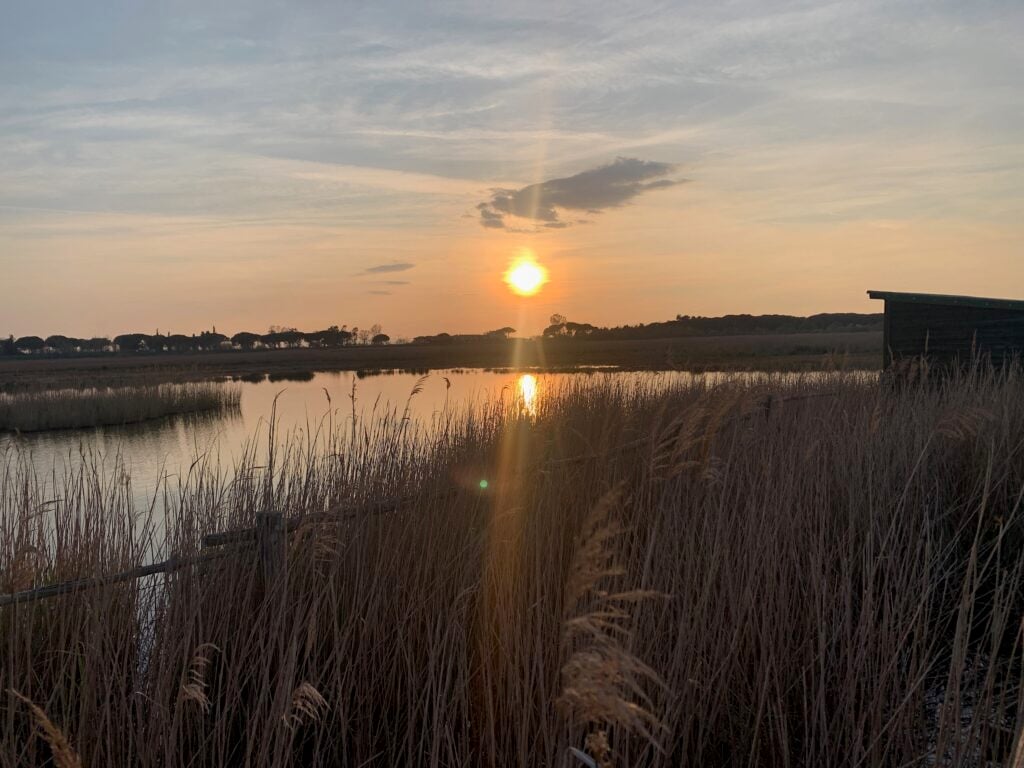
(155,452)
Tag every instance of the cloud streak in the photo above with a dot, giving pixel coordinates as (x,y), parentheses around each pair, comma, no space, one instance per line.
(607,186)
(382,269)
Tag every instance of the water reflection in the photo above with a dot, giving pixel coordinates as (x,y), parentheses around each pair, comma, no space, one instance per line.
(305,404)
(526,386)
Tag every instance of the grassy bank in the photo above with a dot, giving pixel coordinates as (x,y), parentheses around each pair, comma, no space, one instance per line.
(782,352)
(79,408)
(820,573)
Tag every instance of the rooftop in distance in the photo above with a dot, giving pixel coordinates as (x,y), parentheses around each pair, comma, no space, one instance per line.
(955,301)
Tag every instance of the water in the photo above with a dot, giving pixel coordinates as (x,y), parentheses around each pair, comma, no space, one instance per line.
(157,451)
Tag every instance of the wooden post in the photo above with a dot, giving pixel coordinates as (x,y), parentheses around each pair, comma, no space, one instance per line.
(270,544)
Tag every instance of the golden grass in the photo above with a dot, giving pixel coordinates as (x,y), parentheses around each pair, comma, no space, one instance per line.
(820,572)
(91,407)
(61,752)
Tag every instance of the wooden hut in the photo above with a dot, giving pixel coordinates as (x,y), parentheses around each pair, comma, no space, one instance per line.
(951,331)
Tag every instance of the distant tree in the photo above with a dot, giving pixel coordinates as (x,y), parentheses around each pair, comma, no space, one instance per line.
(440,338)
(96,344)
(364,334)
(156,342)
(63,344)
(7,347)
(381,338)
(245,340)
(211,340)
(501,333)
(179,342)
(557,319)
(555,329)
(579,329)
(330,337)
(288,338)
(29,344)
(131,342)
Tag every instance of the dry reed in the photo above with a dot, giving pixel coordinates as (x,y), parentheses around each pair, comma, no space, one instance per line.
(79,408)
(839,565)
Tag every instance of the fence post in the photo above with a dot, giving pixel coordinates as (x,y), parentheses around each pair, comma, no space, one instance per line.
(270,544)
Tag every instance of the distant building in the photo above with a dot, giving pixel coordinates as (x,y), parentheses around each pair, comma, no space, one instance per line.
(950,330)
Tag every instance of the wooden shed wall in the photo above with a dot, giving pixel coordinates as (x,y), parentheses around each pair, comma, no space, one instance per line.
(950,334)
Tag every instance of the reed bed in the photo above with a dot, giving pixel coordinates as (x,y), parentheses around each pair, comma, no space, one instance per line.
(820,572)
(93,407)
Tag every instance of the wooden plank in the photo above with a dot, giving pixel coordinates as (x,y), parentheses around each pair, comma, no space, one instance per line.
(78,585)
(270,543)
(954,334)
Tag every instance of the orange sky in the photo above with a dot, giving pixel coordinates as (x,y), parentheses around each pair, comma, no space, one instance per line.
(225,168)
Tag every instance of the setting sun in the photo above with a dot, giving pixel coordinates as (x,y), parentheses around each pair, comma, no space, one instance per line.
(526,276)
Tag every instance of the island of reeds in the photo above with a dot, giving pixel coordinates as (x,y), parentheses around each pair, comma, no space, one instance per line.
(109,406)
(819,572)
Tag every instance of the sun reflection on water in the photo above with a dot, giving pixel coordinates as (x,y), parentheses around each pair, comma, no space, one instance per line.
(526,386)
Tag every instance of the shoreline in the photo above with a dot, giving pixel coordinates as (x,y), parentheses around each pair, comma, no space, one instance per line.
(769,352)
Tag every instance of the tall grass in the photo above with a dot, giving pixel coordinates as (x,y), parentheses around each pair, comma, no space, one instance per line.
(91,407)
(810,573)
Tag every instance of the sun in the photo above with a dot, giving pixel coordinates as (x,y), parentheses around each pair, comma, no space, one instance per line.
(525,276)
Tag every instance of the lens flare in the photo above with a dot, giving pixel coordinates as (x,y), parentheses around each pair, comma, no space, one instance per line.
(525,276)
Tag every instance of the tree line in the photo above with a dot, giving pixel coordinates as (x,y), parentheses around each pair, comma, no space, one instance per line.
(560,327)
(277,337)
(727,325)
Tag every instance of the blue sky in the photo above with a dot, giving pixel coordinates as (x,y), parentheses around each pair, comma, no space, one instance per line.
(184,164)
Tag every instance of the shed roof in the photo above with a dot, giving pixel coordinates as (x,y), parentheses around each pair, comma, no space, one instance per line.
(952,301)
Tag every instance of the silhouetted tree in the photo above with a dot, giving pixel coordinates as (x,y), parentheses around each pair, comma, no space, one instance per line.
(29,344)
(579,329)
(96,344)
(156,343)
(211,340)
(246,340)
(501,333)
(63,344)
(7,346)
(288,338)
(330,337)
(179,342)
(364,334)
(381,338)
(131,342)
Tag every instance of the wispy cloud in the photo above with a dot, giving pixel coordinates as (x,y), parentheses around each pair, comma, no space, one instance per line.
(607,186)
(379,269)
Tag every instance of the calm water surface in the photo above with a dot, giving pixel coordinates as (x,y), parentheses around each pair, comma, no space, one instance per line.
(155,451)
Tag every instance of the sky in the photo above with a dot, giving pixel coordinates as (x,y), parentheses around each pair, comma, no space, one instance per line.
(183,165)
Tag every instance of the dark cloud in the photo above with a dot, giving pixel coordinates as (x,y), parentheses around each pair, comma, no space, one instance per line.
(398,266)
(609,186)
(489,218)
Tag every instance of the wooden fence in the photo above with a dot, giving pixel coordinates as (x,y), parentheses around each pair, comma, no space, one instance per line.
(267,538)
(272,529)
(269,535)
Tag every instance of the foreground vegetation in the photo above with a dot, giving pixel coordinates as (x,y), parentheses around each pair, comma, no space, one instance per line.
(814,573)
(78,408)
